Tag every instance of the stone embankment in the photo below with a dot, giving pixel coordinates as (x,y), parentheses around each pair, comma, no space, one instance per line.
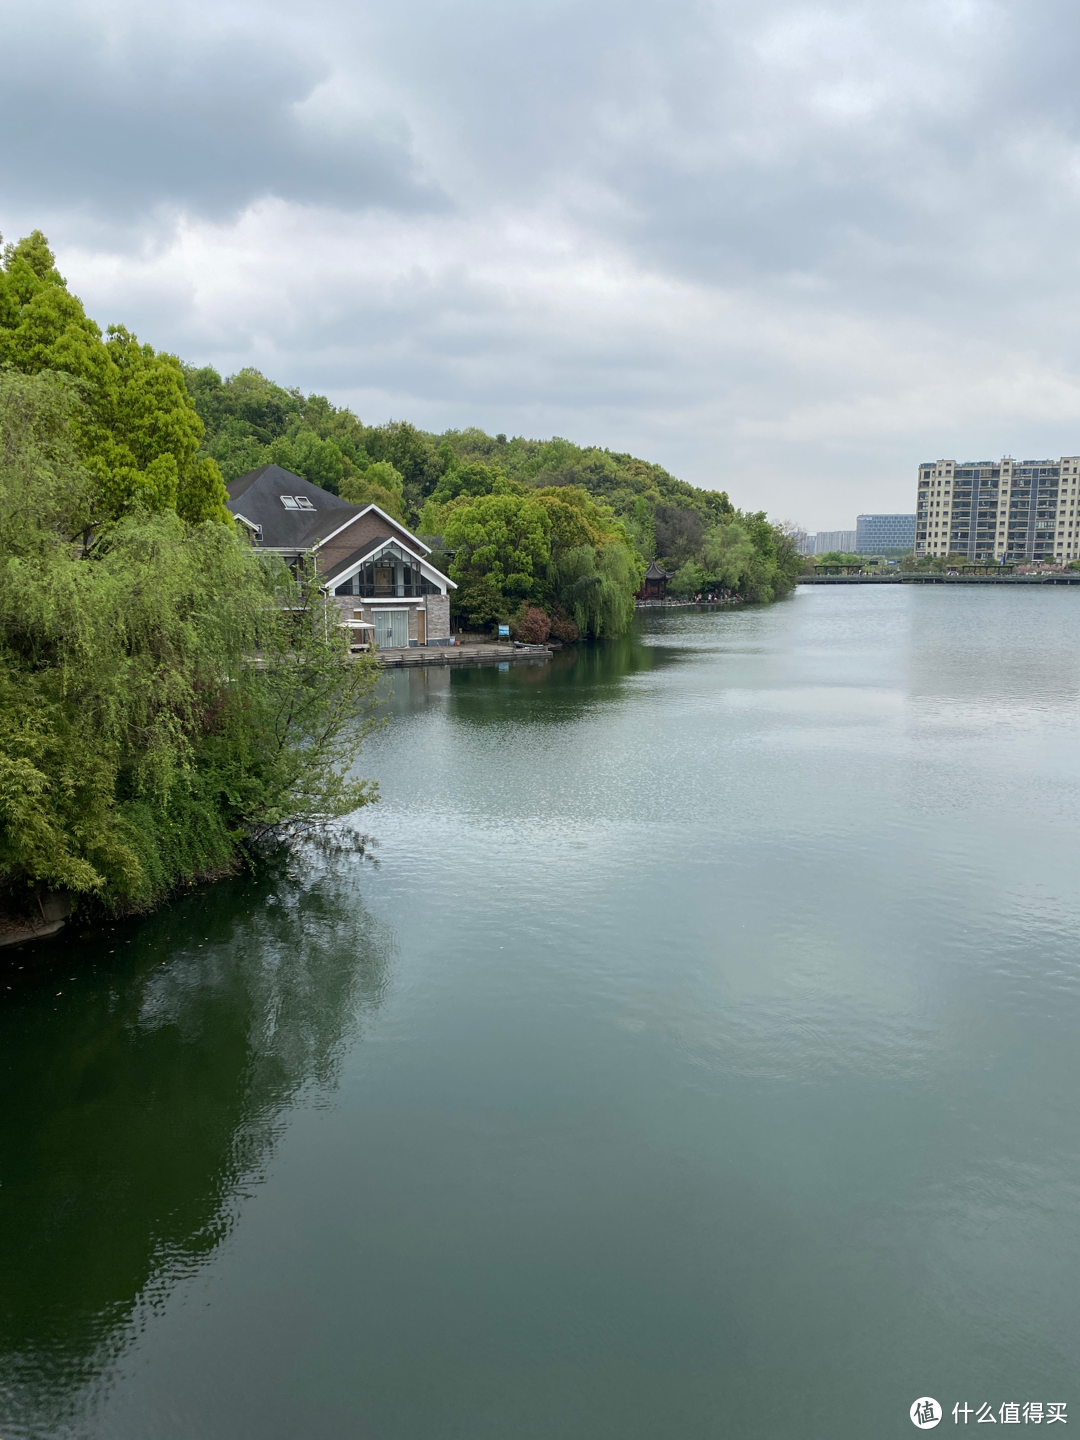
(49,913)
(687,604)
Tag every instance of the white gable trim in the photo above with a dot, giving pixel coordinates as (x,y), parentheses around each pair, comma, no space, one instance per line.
(255,529)
(382,515)
(426,569)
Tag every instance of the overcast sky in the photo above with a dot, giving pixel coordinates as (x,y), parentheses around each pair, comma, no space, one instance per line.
(787,249)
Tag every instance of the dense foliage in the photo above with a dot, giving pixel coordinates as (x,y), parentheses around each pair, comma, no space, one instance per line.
(165,693)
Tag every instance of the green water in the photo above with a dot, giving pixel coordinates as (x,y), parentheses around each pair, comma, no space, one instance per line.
(700,1059)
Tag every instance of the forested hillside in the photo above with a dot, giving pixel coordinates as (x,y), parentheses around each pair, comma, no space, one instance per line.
(442,486)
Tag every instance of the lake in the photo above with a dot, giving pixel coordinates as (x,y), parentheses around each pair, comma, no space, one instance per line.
(700,1058)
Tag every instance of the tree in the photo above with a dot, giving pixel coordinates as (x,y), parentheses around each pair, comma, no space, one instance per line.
(595,568)
(840,557)
(935,564)
(642,527)
(680,533)
(502,545)
(380,484)
(303,453)
(137,431)
(411,452)
(726,555)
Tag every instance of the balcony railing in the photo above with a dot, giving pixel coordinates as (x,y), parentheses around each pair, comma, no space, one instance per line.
(387,592)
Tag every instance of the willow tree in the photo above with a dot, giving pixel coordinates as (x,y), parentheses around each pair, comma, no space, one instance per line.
(595,566)
(165,694)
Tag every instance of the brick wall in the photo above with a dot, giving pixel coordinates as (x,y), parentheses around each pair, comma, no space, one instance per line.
(356,535)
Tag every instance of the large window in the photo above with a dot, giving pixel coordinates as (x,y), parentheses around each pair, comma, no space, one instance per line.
(391,573)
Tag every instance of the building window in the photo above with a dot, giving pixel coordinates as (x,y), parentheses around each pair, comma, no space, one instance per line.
(391,573)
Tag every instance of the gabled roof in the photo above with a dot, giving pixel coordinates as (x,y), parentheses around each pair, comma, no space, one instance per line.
(371,547)
(655,573)
(416,547)
(255,500)
(261,490)
(329,576)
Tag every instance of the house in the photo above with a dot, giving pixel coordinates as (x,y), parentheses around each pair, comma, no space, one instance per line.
(654,586)
(374,568)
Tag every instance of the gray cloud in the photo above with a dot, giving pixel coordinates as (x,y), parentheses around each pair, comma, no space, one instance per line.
(198,117)
(791,247)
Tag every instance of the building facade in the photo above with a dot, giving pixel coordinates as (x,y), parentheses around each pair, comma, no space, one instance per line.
(999,510)
(377,571)
(875,533)
(826,540)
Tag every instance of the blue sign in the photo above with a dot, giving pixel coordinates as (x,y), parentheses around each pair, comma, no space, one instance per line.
(504,630)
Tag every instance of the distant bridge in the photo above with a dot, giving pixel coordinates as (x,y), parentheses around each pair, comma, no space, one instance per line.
(928,578)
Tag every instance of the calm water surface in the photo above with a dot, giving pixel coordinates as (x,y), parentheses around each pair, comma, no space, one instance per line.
(700,1059)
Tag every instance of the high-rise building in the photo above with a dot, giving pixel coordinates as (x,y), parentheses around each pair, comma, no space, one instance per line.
(1005,509)
(826,540)
(875,533)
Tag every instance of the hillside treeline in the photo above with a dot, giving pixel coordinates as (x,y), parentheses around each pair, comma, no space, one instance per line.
(519,523)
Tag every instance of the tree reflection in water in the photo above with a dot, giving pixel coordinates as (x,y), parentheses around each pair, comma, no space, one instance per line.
(143,1099)
(556,691)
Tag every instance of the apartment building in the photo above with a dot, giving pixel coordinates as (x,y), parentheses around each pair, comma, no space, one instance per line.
(986,510)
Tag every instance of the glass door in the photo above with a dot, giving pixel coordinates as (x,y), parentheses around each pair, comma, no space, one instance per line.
(391,627)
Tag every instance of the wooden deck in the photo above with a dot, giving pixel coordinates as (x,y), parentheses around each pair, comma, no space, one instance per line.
(462,654)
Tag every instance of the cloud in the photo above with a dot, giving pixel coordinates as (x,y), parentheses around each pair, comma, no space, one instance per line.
(148,110)
(788,248)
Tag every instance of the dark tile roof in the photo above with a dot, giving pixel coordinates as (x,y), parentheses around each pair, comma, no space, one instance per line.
(257,496)
(655,573)
(321,527)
